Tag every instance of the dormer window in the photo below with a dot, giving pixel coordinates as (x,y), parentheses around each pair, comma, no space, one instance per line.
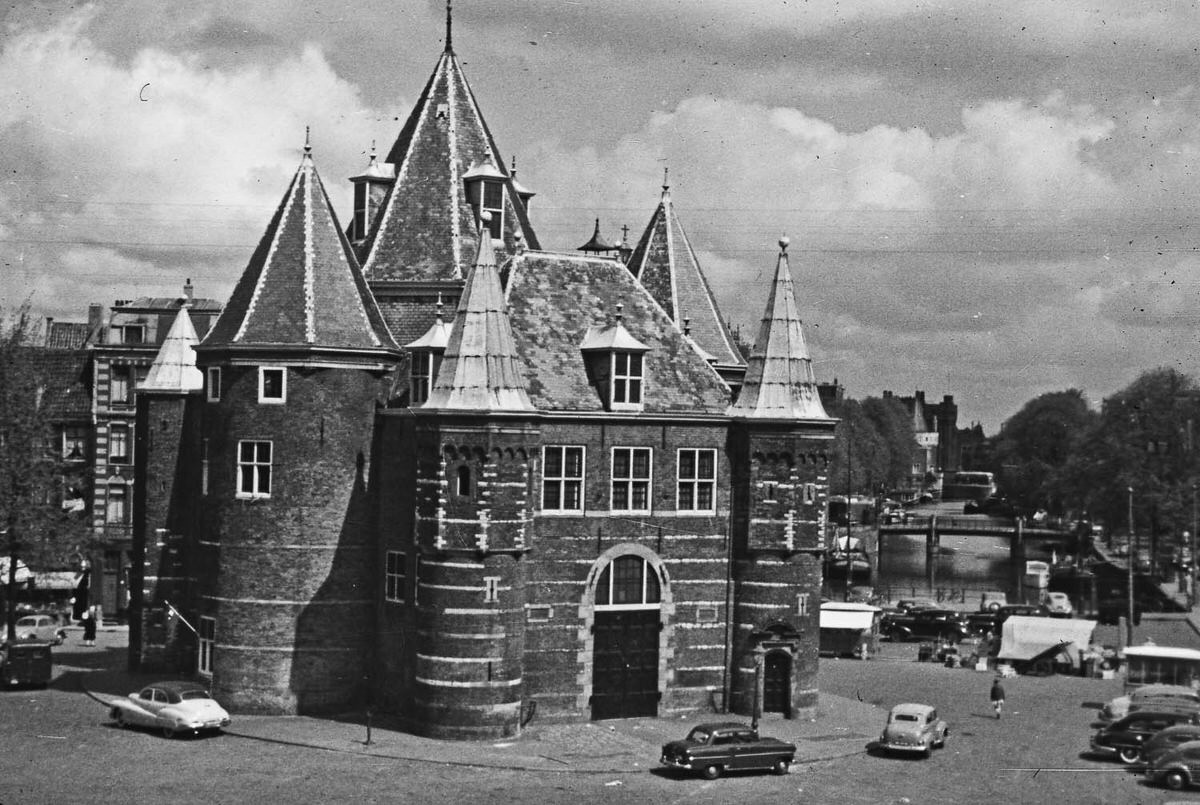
(616,365)
(627,379)
(422,371)
(485,191)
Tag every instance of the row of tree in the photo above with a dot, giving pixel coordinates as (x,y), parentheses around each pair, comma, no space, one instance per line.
(1140,448)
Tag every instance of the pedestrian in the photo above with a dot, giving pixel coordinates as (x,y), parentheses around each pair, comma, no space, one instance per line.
(89,627)
(997,696)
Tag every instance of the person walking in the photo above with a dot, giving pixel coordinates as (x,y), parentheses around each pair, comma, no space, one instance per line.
(997,696)
(89,627)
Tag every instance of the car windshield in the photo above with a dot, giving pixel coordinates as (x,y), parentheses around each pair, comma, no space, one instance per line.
(194,694)
(698,735)
(905,717)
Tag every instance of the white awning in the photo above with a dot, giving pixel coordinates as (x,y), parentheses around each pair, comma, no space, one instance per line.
(847,616)
(1023,637)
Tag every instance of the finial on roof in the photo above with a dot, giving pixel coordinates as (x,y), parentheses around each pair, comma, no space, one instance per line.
(439,307)
(620,311)
(625,234)
(513,170)
(687,325)
(373,154)
(307,146)
(485,219)
(783,243)
(449,43)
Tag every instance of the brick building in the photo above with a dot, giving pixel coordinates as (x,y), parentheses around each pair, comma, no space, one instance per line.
(935,426)
(423,463)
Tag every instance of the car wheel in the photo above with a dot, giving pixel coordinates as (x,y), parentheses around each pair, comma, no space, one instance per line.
(711,772)
(941,744)
(119,717)
(781,766)
(1175,781)
(1129,754)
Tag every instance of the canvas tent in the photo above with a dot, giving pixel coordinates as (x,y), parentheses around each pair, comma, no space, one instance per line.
(848,628)
(1029,640)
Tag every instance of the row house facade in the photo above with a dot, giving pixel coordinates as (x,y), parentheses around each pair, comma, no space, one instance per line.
(421,462)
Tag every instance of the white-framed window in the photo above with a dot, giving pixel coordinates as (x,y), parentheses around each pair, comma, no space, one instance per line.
(697,481)
(631,477)
(394,577)
(132,333)
(75,441)
(810,494)
(493,202)
(562,478)
(254,469)
(627,378)
(272,384)
(422,371)
(117,505)
(629,582)
(491,589)
(207,634)
(118,444)
(120,384)
(802,604)
(214,384)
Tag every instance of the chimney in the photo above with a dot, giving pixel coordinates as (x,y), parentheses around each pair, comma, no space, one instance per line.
(95,318)
(188,290)
(49,328)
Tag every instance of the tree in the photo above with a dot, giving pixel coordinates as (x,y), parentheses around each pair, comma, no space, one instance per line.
(1036,444)
(873,446)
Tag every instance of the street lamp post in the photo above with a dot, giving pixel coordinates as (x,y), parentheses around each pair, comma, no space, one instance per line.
(1129,560)
(1192,548)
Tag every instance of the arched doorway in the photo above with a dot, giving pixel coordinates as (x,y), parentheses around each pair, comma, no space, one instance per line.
(626,630)
(777,682)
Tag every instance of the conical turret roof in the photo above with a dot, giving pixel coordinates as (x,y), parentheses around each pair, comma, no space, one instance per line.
(480,370)
(426,229)
(303,287)
(666,265)
(174,368)
(780,383)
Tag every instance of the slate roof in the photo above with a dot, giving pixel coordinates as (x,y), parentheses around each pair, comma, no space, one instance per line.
(68,335)
(779,380)
(168,303)
(65,378)
(303,286)
(664,262)
(480,370)
(555,300)
(426,229)
(174,368)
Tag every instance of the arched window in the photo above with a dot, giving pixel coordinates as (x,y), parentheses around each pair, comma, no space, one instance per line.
(462,481)
(629,582)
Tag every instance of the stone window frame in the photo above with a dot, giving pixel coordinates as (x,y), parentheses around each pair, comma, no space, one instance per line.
(630,480)
(118,504)
(206,639)
(273,399)
(260,482)
(121,379)
(120,435)
(563,478)
(695,481)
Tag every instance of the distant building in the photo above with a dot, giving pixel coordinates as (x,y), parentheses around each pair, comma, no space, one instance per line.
(935,426)
(472,478)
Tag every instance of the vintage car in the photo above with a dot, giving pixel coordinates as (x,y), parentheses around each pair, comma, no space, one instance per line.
(176,708)
(711,749)
(914,728)
(1149,696)
(1169,740)
(1126,737)
(40,627)
(925,624)
(1176,769)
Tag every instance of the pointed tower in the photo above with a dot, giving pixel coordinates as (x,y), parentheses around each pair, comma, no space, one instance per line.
(166,443)
(475,438)
(781,440)
(295,368)
(667,266)
(448,173)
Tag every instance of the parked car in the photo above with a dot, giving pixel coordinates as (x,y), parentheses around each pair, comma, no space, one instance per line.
(907,604)
(1126,737)
(711,749)
(1168,740)
(1059,605)
(992,600)
(993,507)
(1148,697)
(914,728)
(176,708)
(982,623)
(40,627)
(1176,769)
(1028,610)
(925,624)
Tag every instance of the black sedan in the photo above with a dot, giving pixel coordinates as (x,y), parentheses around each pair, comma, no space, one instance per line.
(925,624)
(711,749)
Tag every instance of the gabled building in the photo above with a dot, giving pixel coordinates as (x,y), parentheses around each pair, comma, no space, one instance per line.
(551,500)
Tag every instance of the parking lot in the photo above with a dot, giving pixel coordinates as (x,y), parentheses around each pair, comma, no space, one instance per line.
(59,746)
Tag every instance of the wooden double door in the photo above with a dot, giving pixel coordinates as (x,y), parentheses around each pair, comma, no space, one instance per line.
(625,664)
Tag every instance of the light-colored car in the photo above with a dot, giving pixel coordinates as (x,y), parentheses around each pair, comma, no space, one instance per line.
(1150,695)
(1059,605)
(914,728)
(40,627)
(176,708)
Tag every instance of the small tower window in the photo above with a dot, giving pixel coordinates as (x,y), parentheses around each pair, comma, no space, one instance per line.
(214,384)
(272,384)
(422,371)
(462,481)
(486,193)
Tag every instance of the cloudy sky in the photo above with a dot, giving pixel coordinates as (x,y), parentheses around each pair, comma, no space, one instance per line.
(985,199)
